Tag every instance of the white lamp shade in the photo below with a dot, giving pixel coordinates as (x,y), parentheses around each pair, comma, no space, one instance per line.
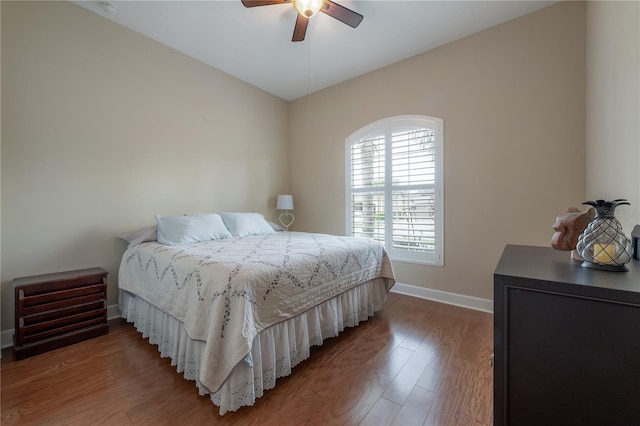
(285,202)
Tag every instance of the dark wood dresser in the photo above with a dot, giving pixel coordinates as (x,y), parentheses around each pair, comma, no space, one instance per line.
(56,310)
(566,341)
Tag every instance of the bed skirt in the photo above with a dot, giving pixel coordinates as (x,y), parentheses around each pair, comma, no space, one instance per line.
(275,351)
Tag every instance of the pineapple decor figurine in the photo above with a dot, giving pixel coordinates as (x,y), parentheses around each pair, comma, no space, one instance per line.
(603,244)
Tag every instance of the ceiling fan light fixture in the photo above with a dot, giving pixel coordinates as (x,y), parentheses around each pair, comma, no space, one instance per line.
(308,8)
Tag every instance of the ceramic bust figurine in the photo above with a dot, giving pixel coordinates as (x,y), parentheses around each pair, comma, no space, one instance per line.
(569,226)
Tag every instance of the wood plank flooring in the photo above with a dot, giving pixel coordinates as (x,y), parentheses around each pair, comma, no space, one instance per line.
(416,362)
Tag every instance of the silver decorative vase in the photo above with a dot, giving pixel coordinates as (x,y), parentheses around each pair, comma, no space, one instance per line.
(603,244)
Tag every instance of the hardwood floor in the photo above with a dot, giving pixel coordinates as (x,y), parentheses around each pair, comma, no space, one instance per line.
(416,362)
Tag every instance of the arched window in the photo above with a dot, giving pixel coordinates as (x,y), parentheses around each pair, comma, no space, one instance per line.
(395,187)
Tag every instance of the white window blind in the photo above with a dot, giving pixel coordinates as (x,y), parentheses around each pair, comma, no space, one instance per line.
(394,187)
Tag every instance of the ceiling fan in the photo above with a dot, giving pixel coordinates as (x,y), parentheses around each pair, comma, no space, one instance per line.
(308,8)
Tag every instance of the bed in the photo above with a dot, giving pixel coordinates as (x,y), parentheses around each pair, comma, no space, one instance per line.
(236,313)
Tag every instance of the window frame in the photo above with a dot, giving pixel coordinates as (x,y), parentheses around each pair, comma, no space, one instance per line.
(386,127)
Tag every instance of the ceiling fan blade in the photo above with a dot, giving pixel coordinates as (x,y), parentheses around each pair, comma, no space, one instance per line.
(254,3)
(300,29)
(341,13)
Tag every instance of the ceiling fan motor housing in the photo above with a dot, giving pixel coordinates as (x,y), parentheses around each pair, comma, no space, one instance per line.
(308,8)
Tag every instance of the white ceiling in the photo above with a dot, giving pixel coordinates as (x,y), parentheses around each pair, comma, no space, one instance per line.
(254,44)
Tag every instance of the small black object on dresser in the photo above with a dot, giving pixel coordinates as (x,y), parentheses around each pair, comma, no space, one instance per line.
(566,341)
(55,310)
(635,238)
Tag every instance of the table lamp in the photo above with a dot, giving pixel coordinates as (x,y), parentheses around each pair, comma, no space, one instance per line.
(285,202)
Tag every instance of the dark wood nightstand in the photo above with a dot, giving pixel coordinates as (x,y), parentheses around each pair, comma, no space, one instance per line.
(55,310)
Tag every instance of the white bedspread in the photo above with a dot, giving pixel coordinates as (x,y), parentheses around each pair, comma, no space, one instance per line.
(227,291)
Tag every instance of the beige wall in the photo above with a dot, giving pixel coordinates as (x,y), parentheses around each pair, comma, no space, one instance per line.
(613,106)
(104,128)
(513,102)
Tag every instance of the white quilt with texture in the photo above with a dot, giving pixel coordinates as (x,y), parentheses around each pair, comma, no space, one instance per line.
(227,291)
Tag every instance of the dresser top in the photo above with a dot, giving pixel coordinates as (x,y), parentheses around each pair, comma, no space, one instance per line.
(59,276)
(550,265)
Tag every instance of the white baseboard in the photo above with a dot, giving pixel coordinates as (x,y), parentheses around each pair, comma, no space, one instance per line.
(484,305)
(6,337)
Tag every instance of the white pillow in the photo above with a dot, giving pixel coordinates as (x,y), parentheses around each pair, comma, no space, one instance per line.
(275,226)
(244,224)
(190,229)
(138,236)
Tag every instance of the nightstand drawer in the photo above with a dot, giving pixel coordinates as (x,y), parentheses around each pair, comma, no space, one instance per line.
(63,295)
(51,315)
(62,304)
(60,326)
